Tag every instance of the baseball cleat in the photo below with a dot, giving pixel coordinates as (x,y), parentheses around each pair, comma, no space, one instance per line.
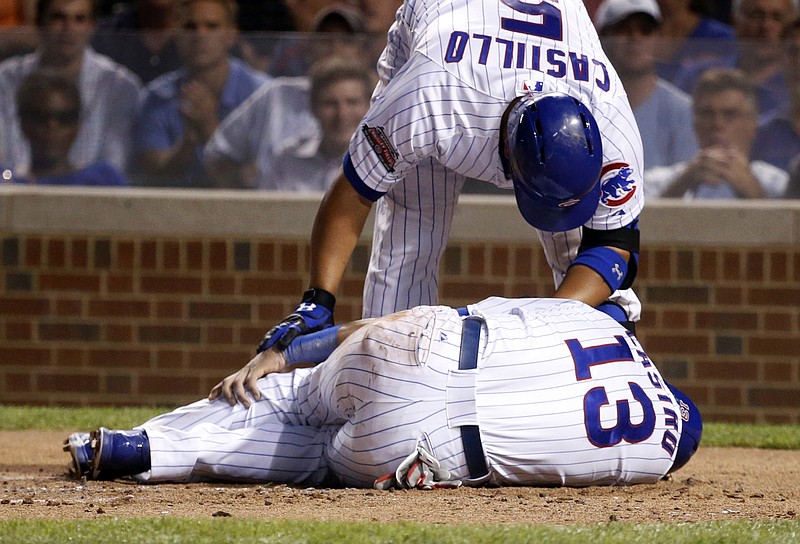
(79,446)
(119,453)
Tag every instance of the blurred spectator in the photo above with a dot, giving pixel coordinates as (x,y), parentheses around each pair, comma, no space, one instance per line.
(629,30)
(793,190)
(180,110)
(379,16)
(108,90)
(778,137)
(725,121)
(141,37)
(49,106)
(295,52)
(238,156)
(691,38)
(339,19)
(243,148)
(758,24)
(339,97)
(17,27)
(259,21)
(304,12)
(340,31)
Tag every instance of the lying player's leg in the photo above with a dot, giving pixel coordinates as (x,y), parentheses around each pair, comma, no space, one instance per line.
(375,444)
(278,402)
(272,452)
(181,444)
(388,391)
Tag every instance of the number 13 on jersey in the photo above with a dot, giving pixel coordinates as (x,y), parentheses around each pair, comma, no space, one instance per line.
(625,429)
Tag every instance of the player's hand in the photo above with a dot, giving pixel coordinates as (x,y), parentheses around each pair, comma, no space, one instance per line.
(235,387)
(420,470)
(314,313)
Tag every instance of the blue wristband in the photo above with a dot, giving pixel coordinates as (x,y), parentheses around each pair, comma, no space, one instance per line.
(315,347)
(611,266)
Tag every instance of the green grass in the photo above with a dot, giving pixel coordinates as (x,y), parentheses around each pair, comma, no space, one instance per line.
(179,531)
(20,418)
(16,418)
(776,437)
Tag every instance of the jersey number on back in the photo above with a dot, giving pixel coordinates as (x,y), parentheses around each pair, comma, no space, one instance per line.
(597,398)
(549,27)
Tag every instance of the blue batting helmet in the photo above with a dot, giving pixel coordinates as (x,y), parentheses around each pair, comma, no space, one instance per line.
(692,428)
(554,160)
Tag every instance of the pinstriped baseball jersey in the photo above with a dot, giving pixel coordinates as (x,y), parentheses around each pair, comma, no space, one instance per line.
(585,405)
(562,394)
(448,72)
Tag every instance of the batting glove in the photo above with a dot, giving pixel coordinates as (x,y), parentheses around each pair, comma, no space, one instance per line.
(314,313)
(420,470)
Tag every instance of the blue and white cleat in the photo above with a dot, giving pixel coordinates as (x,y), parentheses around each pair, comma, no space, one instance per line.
(119,453)
(79,447)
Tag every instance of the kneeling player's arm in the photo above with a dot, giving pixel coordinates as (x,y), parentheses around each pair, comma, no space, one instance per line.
(316,347)
(606,261)
(334,235)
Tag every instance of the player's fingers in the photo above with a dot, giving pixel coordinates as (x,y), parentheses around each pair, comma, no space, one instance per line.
(239,391)
(227,392)
(215,391)
(252,385)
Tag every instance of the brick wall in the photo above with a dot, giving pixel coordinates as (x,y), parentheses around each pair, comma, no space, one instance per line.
(110,308)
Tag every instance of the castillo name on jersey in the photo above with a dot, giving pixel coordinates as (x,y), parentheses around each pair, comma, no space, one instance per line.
(552,61)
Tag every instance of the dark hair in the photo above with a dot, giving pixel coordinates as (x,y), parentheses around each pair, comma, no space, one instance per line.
(332,69)
(37,85)
(231,8)
(717,80)
(43,5)
(702,7)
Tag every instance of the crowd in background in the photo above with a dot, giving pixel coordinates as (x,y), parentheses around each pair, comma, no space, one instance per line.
(265,94)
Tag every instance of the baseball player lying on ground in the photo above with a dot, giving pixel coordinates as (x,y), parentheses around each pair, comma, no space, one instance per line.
(517,392)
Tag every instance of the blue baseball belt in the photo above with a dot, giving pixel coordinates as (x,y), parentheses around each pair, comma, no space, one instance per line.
(470,434)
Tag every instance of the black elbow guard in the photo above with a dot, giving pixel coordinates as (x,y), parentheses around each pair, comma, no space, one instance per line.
(625,238)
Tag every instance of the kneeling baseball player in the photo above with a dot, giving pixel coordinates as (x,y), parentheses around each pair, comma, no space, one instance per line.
(541,392)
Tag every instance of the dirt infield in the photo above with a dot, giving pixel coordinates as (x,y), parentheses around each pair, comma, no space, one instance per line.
(719,484)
